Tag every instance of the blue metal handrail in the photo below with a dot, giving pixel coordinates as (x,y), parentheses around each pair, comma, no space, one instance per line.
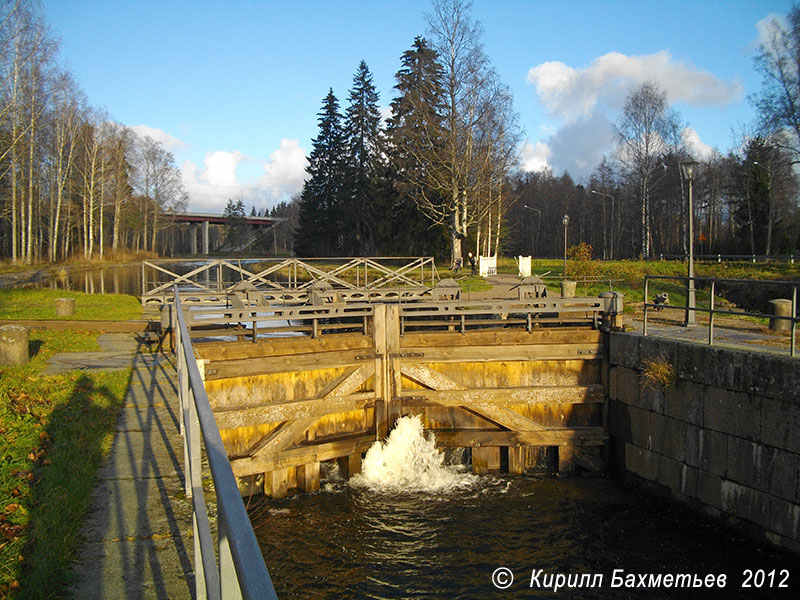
(241,571)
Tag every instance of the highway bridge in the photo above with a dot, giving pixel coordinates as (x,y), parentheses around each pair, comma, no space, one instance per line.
(202,221)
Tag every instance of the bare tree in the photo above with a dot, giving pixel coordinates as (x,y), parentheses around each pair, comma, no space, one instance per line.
(643,132)
(778,103)
(457,145)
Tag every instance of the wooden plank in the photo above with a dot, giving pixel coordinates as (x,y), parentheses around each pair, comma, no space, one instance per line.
(295,409)
(218,351)
(426,354)
(576,394)
(281,437)
(588,436)
(283,364)
(303,454)
(504,417)
(501,338)
(430,378)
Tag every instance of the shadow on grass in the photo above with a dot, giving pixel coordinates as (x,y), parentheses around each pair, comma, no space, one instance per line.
(34,346)
(137,530)
(105,475)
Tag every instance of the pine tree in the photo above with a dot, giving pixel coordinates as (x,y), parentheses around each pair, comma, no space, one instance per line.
(362,208)
(319,230)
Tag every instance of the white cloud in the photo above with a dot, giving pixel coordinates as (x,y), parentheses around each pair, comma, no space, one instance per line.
(220,169)
(170,142)
(218,181)
(285,170)
(584,101)
(535,156)
(697,147)
(766,28)
(573,94)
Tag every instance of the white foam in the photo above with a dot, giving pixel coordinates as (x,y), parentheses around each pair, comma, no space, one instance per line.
(409,462)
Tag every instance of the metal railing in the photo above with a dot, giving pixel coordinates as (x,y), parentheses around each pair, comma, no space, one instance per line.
(711,310)
(240,572)
(220,277)
(751,258)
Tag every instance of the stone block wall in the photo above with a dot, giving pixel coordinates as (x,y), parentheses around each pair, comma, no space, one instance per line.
(723,438)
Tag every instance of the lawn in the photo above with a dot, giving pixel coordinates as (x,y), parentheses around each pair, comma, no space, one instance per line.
(40,304)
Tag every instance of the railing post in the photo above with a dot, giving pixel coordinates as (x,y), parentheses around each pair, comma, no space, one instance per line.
(644,319)
(794,320)
(711,315)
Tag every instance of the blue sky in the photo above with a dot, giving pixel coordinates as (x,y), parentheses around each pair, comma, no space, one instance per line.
(233,88)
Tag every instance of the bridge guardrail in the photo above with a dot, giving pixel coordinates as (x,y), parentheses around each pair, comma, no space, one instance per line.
(711,310)
(241,571)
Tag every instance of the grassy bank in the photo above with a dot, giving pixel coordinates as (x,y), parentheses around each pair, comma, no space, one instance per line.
(40,304)
(54,432)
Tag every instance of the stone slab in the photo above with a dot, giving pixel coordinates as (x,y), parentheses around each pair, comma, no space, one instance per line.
(135,568)
(138,508)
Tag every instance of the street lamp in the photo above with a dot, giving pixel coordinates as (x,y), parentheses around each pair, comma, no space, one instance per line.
(688,168)
(565,221)
(538,223)
(605,225)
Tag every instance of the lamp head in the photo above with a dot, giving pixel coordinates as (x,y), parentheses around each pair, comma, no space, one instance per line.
(688,168)
(565,220)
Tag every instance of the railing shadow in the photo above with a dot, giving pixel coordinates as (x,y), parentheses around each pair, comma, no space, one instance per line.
(137,533)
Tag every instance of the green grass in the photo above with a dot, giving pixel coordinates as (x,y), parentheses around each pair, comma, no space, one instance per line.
(54,432)
(40,304)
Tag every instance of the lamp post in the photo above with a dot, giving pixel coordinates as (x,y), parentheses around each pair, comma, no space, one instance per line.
(687,170)
(538,223)
(565,221)
(605,226)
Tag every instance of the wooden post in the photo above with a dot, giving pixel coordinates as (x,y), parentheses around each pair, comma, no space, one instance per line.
(517,459)
(276,483)
(566,459)
(394,380)
(350,465)
(485,459)
(308,477)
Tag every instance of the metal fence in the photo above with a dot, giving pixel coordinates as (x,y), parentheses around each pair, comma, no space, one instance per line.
(711,310)
(240,572)
(751,258)
(215,279)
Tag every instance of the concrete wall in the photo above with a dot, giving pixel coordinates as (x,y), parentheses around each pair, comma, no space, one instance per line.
(723,438)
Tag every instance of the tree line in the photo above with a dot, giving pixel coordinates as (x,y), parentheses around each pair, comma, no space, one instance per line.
(443,171)
(72,182)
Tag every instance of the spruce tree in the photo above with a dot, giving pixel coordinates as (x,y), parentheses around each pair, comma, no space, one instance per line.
(416,117)
(319,229)
(363,209)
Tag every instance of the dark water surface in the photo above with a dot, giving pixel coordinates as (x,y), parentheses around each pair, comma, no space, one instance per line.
(345,542)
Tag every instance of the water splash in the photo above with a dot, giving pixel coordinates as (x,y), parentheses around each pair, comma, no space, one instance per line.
(409,462)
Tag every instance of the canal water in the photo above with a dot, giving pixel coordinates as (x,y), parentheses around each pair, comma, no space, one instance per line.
(414,526)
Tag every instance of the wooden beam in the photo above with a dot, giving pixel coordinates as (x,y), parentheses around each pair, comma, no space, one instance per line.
(282,364)
(302,454)
(555,394)
(504,417)
(429,378)
(428,354)
(219,351)
(553,335)
(295,409)
(465,438)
